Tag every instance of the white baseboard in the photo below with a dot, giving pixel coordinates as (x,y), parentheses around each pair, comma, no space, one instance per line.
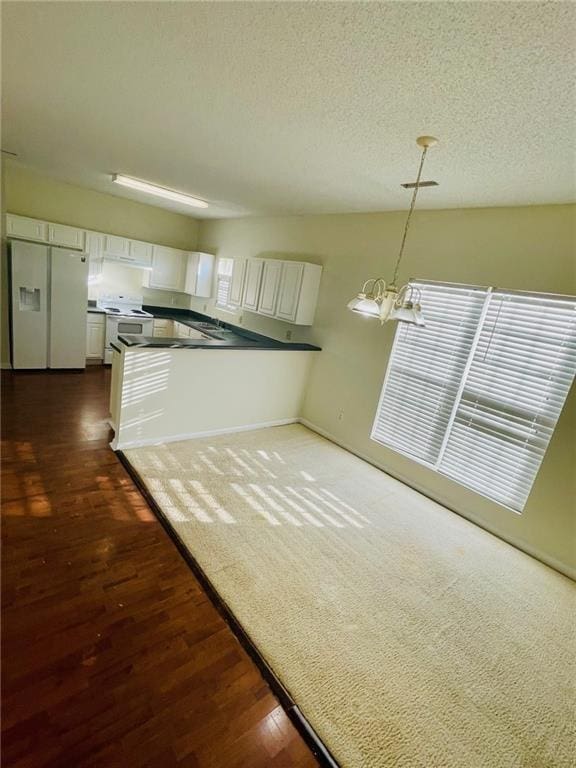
(521,545)
(119,445)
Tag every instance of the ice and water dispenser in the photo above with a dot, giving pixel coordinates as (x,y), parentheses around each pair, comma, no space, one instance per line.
(29,299)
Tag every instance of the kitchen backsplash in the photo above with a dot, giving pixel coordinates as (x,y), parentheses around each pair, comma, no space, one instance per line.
(267,326)
(117,278)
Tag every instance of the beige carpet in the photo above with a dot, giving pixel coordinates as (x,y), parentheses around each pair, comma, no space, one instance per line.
(407,636)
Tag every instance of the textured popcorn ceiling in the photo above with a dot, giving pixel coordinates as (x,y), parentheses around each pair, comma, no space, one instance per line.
(296,107)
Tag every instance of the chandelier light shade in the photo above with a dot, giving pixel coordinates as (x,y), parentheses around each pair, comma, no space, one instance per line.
(407,307)
(368,302)
(386,301)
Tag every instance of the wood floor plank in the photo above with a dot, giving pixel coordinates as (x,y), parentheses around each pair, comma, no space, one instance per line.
(113,654)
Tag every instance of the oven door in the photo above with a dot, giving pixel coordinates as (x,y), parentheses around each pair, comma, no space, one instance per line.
(122,326)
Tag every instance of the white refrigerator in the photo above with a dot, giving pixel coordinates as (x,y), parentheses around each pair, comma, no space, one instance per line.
(49,298)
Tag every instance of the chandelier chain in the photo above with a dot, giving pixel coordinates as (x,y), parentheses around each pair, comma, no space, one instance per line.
(406,226)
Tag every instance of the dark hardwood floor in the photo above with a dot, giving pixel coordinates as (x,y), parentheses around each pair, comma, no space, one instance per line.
(112,653)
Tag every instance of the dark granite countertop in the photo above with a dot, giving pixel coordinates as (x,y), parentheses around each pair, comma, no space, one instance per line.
(230,341)
(226,336)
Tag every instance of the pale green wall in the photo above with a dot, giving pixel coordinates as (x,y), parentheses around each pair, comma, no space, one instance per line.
(31,194)
(530,248)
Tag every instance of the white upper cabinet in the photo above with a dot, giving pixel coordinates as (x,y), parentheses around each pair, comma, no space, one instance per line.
(95,249)
(25,228)
(116,247)
(168,269)
(271,273)
(251,292)
(69,237)
(237,282)
(133,253)
(289,293)
(286,290)
(44,232)
(299,292)
(199,274)
(140,253)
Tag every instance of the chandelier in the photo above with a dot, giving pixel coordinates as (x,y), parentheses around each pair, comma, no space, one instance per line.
(385,300)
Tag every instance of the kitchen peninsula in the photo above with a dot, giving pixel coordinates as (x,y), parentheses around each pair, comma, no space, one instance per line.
(168,388)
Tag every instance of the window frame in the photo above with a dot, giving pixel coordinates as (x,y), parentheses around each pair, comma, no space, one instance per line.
(481,327)
(223,277)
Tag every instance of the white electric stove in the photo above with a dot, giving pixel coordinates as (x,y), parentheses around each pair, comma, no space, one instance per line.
(124,315)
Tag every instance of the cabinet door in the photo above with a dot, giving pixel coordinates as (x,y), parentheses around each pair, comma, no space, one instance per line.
(252,284)
(167,269)
(95,333)
(25,228)
(117,247)
(140,253)
(195,334)
(95,251)
(289,292)
(199,274)
(163,328)
(204,275)
(69,237)
(191,274)
(237,283)
(182,331)
(271,273)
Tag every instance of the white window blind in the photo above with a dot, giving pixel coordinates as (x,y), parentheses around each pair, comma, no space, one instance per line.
(476,394)
(224,281)
(425,371)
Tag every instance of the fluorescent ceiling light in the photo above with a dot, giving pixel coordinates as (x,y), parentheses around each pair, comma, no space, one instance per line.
(152,189)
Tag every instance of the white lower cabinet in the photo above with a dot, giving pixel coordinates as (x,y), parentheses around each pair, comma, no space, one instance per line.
(171,329)
(251,293)
(168,269)
(95,335)
(182,331)
(271,273)
(163,328)
(193,333)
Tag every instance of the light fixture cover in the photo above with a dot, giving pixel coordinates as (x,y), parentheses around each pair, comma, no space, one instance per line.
(153,189)
(366,306)
(407,312)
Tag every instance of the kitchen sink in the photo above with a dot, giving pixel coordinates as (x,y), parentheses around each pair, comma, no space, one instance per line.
(203,324)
